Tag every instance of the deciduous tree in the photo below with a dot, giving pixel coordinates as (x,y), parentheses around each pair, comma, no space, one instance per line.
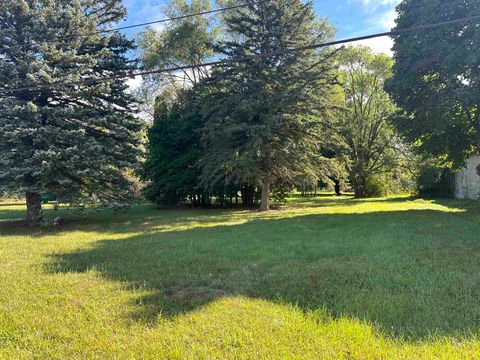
(364,134)
(436,77)
(187,41)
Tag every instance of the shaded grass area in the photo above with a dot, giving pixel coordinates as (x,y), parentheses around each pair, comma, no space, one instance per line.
(344,278)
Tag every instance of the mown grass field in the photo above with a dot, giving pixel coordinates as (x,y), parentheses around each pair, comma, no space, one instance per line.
(323,278)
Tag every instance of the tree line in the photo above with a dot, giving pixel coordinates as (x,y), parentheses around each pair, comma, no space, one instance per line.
(255,127)
(275,121)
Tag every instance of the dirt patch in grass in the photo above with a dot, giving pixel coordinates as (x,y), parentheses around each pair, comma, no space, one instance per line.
(196,295)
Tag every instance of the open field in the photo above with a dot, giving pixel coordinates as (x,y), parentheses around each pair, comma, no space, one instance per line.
(324,277)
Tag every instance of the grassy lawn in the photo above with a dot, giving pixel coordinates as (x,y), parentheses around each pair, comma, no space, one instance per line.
(324,277)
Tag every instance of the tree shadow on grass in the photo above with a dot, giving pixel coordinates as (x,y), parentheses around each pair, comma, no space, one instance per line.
(413,273)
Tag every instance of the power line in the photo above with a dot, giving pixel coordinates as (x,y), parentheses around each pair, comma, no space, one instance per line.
(187,16)
(250,57)
(181,17)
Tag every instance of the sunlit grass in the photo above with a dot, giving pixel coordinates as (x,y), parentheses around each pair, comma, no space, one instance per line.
(322,277)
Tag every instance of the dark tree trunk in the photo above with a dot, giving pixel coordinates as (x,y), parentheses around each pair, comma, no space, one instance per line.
(34,208)
(337,187)
(359,188)
(194,200)
(265,200)
(248,195)
(204,200)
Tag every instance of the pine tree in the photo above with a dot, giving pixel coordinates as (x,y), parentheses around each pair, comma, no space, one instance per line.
(174,147)
(266,114)
(77,141)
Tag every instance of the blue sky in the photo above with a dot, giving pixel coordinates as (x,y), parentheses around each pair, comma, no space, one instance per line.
(350,17)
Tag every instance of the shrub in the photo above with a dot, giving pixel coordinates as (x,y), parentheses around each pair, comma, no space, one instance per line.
(377,186)
(435,181)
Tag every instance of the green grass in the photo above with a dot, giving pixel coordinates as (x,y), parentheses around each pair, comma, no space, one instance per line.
(324,277)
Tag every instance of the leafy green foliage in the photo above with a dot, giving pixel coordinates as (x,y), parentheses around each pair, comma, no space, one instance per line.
(364,137)
(435,180)
(72,140)
(186,41)
(376,186)
(436,78)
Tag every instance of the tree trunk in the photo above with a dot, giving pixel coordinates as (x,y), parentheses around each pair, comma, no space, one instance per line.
(34,208)
(248,194)
(359,188)
(265,201)
(337,187)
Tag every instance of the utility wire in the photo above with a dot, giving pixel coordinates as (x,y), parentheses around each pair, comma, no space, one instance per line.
(250,57)
(181,17)
(187,16)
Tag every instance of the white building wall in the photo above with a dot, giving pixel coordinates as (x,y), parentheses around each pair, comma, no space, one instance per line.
(467,181)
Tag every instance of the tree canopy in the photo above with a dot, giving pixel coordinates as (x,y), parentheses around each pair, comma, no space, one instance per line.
(187,41)
(266,114)
(171,168)
(78,141)
(436,78)
(365,137)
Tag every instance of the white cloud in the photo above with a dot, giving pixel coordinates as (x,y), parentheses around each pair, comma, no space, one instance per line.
(378,45)
(387,19)
(383,21)
(373,5)
(380,2)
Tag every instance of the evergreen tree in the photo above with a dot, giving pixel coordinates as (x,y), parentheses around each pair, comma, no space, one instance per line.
(170,169)
(174,146)
(79,140)
(265,115)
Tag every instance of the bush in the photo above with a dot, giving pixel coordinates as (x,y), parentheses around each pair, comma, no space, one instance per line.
(377,186)
(385,184)
(435,181)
